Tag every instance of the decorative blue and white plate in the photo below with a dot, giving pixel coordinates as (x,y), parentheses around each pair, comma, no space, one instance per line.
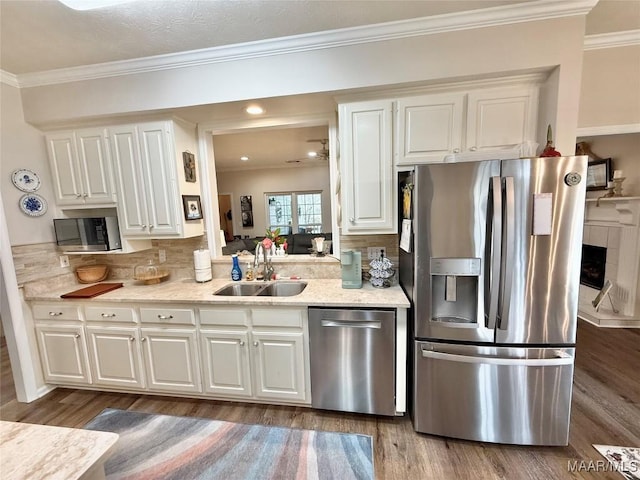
(25,180)
(33,205)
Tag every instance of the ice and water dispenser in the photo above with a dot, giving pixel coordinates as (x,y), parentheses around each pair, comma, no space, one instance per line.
(454,289)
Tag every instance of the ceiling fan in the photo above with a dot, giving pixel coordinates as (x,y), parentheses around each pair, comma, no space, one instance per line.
(314,155)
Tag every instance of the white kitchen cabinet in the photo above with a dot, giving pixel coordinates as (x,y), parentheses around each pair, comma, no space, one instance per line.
(501,118)
(63,354)
(429,127)
(171,359)
(149,187)
(115,356)
(279,365)
(81,170)
(368,184)
(225,362)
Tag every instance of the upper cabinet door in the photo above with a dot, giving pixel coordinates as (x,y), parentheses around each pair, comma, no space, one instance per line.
(132,204)
(158,166)
(500,118)
(429,127)
(95,167)
(65,170)
(80,168)
(368,186)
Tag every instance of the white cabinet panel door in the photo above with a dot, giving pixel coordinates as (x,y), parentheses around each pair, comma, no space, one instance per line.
(368,187)
(225,361)
(95,167)
(63,159)
(64,354)
(171,360)
(115,355)
(279,365)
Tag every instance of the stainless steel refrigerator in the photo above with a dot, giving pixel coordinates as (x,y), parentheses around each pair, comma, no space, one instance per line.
(490,258)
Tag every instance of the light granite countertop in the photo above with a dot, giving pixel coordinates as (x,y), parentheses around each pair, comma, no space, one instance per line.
(46,452)
(319,292)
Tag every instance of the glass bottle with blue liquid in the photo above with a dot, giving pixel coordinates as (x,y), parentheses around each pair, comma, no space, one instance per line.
(236,272)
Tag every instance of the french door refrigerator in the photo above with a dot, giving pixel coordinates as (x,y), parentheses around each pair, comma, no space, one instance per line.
(490,258)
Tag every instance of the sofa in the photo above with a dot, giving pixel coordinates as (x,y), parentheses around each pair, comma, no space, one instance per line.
(297,243)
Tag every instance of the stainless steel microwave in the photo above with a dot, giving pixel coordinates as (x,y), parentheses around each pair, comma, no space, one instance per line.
(88,234)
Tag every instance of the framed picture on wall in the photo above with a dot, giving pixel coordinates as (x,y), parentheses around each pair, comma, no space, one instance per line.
(189,161)
(192,207)
(247,219)
(599,174)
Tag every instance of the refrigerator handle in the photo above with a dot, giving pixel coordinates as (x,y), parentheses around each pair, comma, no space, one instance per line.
(509,246)
(492,283)
(559,359)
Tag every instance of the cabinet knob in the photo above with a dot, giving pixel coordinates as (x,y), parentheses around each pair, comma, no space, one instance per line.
(241,343)
(473,149)
(132,339)
(150,227)
(144,226)
(255,344)
(77,335)
(85,195)
(351,219)
(55,314)
(107,315)
(143,339)
(456,150)
(165,317)
(78,195)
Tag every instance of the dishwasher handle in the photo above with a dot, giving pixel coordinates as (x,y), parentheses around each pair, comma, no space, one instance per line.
(351,324)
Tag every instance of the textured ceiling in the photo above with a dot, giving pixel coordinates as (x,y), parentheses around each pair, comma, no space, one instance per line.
(38,35)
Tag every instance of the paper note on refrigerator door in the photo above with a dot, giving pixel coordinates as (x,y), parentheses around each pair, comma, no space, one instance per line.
(405,236)
(542,213)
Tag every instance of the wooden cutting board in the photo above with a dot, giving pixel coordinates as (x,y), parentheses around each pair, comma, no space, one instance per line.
(92,291)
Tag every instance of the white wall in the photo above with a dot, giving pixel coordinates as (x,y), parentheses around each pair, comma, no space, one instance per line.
(425,58)
(257,182)
(23,146)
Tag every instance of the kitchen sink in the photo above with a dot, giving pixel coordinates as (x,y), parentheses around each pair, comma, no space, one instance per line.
(239,289)
(276,289)
(282,289)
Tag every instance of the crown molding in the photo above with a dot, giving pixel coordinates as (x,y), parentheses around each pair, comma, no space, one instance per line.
(9,79)
(608,130)
(489,17)
(612,40)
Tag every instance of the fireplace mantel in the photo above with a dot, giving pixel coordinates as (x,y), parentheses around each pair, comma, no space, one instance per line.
(614,223)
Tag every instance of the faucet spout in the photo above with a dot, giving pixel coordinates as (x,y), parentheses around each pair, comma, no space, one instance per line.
(266,274)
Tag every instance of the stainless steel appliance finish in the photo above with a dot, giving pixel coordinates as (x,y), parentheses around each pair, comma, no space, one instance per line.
(494,394)
(87,234)
(353,360)
(495,263)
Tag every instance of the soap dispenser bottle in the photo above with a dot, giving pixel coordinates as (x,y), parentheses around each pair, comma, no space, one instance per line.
(236,273)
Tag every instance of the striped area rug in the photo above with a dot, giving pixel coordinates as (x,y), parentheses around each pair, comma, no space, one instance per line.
(185,448)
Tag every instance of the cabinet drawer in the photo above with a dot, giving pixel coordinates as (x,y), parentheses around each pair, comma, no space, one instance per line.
(276,317)
(167,315)
(56,311)
(110,314)
(224,316)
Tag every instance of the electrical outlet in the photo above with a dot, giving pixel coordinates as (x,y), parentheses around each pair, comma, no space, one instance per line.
(374,253)
(162,255)
(64,260)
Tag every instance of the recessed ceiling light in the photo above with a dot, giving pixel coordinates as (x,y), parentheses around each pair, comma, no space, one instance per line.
(312,154)
(254,110)
(244,158)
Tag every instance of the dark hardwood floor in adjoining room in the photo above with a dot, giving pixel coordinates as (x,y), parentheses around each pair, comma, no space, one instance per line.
(605,410)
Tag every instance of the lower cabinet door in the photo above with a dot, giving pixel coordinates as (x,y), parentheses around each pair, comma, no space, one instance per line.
(171,360)
(279,361)
(63,353)
(115,355)
(225,361)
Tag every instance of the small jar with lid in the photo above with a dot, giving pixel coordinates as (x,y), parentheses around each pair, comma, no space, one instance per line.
(150,273)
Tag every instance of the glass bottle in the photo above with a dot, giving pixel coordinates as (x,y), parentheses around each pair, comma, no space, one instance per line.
(236,273)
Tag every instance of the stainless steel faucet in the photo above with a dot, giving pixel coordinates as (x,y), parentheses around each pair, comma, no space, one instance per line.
(267,271)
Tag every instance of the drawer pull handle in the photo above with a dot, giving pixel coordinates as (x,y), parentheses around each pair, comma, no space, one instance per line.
(107,315)
(165,317)
(55,314)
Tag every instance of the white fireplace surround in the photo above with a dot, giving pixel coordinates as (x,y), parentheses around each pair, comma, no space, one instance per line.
(614,223)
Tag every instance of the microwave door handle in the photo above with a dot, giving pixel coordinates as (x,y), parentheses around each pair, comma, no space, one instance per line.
(509,246)
(492,283)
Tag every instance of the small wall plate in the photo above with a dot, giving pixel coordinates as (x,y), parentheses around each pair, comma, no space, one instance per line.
(25,180)
(33,205)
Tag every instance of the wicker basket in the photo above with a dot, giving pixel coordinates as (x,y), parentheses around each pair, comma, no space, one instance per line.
(92,273)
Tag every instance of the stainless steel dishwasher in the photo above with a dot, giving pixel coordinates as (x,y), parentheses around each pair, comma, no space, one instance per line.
(353,360)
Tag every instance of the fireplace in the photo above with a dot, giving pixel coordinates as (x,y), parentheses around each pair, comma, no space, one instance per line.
(593,265)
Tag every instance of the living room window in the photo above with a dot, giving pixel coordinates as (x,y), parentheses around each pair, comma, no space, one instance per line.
(295,212)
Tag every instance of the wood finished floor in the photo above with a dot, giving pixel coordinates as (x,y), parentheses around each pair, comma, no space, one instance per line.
(605,410)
